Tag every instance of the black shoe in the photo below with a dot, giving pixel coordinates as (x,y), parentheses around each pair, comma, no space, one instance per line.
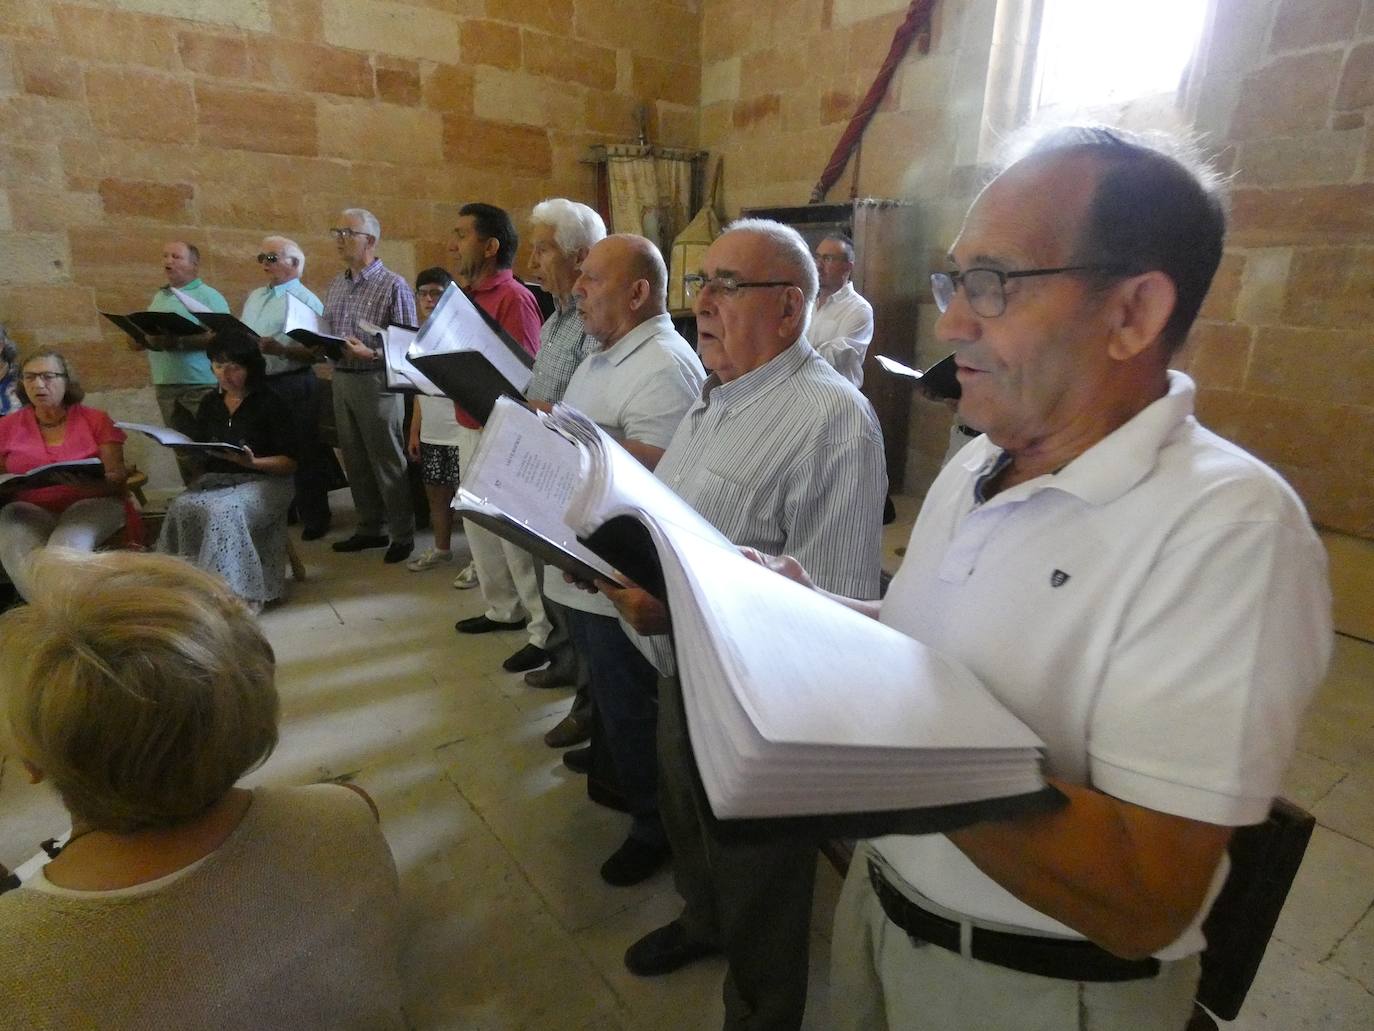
(314,533)
(632,862)
(550,678)
(483,625)
(571,730)
(361,542)
(579,760)
(665,950)
(398,552)
(528,657)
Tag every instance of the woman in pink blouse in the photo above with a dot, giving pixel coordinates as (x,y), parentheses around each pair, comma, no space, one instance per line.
(54,426)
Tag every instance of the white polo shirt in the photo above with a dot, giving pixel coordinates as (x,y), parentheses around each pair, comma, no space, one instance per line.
(841,329)
(1157,611)
(638,388)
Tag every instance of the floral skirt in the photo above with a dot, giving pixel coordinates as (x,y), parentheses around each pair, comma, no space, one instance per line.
(233,525)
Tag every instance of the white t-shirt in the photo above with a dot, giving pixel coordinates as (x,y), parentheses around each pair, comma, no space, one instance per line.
(638,388)
(841,329)
(1157,611)
(437,424)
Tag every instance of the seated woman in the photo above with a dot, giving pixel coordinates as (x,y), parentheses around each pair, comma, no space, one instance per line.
(54,426)
(142,690)
(232,519)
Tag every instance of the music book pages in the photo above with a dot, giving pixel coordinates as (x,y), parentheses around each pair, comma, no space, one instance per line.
(303,325)
(458,326)
(50,474)
(178,441)
(798,706)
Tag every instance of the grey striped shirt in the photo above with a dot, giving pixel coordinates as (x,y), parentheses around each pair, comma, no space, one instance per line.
(787,459)
(563,343)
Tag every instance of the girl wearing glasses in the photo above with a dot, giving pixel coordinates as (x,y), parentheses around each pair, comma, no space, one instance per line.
(54,426)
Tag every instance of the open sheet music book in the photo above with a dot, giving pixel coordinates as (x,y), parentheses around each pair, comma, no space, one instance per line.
(467,354)
(160,330)
(49,475)
(180,442)
(518,482)
(798,707)
(401,376)
(303,326)
(939,382)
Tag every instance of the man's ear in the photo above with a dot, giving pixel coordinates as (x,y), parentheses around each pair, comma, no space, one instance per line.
(579,256)
(34,774)
(491,247)
(639,294)
(793,310)
(1140,310)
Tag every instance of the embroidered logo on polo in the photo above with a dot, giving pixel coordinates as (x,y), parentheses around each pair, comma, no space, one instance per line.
(1059,578)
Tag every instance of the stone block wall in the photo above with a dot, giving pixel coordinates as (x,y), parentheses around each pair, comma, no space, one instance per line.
(1283,352)
(124,123)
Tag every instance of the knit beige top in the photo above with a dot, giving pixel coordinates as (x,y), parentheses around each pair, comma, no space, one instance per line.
(292,923)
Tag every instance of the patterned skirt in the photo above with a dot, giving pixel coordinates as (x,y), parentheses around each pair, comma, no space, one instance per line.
(233,525)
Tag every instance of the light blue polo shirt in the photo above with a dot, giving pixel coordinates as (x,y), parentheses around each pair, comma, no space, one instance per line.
(265,313)
(184,366)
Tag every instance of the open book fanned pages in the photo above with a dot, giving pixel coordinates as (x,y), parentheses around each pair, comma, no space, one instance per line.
(49,475)
(517,484)
(467,354)
(303,326)
(180,442)
(798,707)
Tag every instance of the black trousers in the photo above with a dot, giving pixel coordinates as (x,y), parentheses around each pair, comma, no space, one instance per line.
(317,470)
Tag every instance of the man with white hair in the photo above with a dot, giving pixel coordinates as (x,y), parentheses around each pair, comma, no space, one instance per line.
(561,233)
(841,322)
(784,455)
(291,374)
(369,419)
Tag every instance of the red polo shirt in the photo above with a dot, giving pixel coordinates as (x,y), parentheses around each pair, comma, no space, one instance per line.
(507,301)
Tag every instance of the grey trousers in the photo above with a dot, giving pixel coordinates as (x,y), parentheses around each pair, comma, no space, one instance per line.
(880,980)
(369,420)
(746,888)
(25,528)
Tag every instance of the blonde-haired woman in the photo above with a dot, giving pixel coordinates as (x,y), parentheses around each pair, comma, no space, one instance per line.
(142,690)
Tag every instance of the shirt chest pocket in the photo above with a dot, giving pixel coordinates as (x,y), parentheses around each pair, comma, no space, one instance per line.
(721,500)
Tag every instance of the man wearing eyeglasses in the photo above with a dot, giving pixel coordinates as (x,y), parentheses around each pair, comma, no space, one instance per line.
(291,374)
(782,454)
(370,421)
(842,323)
(1147,597)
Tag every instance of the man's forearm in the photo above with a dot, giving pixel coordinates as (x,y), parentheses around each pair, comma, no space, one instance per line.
(1128,878)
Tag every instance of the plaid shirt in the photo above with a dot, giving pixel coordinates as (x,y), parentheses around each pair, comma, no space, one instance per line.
(375,294)
(564,343)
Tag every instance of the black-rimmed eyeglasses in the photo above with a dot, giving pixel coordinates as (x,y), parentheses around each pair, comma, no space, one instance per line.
(695,283)
(345,233)
(986,288)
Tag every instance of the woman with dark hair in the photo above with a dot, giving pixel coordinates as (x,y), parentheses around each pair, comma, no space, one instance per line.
(54,426)
(232,519)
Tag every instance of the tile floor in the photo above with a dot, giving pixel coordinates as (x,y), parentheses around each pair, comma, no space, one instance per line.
(497,844)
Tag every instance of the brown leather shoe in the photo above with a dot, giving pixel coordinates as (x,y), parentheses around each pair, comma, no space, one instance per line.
(573,730)
(551,677)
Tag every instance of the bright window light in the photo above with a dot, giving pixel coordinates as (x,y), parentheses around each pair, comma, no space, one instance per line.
(1096,52)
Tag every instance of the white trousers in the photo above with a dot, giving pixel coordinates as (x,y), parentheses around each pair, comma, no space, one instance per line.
(25,528)
(881,981)
(508,576)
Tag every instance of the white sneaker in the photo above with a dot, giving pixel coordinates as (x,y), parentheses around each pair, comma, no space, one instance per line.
(428,560)
(466,578)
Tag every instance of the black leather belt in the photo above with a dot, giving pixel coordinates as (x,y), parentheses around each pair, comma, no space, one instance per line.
(1066,960)
(345,368)
(290,372)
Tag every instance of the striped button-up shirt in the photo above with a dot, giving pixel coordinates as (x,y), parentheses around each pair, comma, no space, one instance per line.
(563,345)
(375,294)
(788,459)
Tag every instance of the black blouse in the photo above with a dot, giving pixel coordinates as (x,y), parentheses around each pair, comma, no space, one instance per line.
(262,424)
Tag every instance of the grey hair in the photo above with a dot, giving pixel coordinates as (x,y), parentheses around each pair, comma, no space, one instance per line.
(574,225)
(289,249)
(371,226)
(789,248)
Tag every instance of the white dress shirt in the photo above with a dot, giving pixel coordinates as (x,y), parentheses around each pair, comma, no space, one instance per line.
(841,330)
